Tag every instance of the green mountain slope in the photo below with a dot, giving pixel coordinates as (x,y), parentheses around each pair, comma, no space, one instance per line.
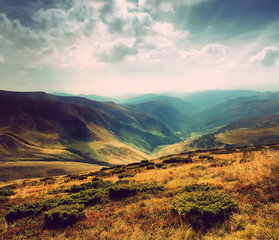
(174,102)
(165,113)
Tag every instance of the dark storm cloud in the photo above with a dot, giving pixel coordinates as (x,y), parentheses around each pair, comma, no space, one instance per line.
(228,17)
(23,10)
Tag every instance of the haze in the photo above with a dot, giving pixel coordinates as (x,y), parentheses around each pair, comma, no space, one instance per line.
(111,47)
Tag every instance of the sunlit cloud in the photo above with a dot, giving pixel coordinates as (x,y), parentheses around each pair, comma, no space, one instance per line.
(137,45)
(266,57)
(2,59)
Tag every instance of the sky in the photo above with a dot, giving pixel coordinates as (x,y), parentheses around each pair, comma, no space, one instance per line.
(112,47)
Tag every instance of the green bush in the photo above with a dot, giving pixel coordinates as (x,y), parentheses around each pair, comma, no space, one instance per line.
(117,170)
(88,197)
(222,163)
(96,183)
(198,187)
(159,165)
(130,190)
(24,210)
(203,209)
(146,163)
(3,199)
(6,192)
(64,215)
(126,175)
(118,192)
(205,156)
(121,182)
(178,160)
(199,167)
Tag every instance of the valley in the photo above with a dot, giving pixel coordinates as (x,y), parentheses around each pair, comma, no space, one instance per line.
(52,130)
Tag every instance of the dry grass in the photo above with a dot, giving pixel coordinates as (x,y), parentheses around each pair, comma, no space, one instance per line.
(252,180)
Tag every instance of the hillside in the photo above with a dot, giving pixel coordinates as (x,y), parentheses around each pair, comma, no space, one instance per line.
(248,132)
(46,127)
(173,119)
(220,194)
(235,110)
(176,103)
(208,99)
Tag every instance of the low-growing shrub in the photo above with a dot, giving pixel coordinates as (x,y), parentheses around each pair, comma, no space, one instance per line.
(198,187)
(24,210)
(77,177)
(117,170)
(205,157)
(178,160)
(203,209)
(3,199)
(199,167)
(126,175)
(95,184)
(122,182)
(159,165)
(64,215)
(6,192)
(88,197)
(146,163)
(117,192)
(222,163)
(150,167)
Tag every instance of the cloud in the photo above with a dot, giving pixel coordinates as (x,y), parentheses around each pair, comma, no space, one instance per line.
(266,57)
(21,36)
(2,59)
(116,51)
(209,49)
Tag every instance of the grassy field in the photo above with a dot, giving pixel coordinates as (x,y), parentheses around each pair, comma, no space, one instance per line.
(16,170)
(143,201)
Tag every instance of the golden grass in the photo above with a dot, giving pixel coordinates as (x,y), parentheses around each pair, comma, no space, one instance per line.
(251,180)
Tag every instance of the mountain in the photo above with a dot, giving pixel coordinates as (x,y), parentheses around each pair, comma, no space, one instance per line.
(208,99)
(173,119)
(174,102)
(237,109)
(40,126)
(93,97)
(249,132)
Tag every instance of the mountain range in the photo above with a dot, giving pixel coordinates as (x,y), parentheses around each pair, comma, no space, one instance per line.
(39,126)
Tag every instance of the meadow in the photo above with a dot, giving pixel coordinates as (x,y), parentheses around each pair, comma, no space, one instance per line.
(217,194)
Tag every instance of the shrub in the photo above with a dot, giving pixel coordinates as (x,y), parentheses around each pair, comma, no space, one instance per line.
(64,215)
(150,167)
(146,163)
(159,165)
(3,199)
(126,175)
(95,184)
(199,167)
(203,209)
(24,210)
(205,157)
(198,187)
(117,170)
(178,160)
(6,192)
(120,182)
(118,192)
(226,162)
(88,197)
